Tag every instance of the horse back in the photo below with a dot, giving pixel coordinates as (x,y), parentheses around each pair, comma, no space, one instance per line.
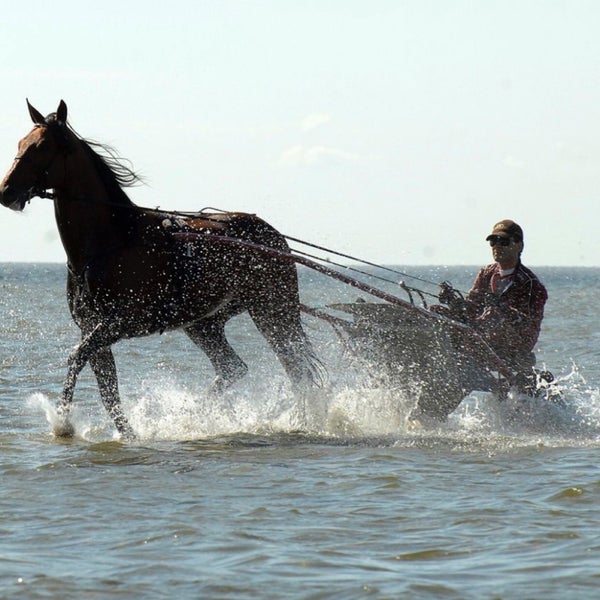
(235,225)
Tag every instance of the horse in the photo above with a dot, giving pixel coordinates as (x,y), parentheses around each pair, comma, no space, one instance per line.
(134,271)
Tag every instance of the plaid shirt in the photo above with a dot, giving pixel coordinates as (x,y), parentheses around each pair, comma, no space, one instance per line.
(510,320)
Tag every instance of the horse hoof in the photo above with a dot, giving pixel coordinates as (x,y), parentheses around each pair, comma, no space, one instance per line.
(127,435)
(63,429)
(414,424)
(217,387)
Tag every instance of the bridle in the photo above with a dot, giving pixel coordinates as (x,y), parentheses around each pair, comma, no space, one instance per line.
(40,187)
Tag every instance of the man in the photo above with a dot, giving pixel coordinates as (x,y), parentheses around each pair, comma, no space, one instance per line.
(505,305)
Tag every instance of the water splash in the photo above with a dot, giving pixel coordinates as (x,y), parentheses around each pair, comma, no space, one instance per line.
(168,411)
(165,411)
(78,424)
(567,414)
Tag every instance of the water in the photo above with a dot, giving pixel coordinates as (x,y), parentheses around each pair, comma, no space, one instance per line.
(223,499)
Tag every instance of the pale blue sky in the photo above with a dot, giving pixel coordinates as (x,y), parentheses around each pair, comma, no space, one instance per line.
(398,131)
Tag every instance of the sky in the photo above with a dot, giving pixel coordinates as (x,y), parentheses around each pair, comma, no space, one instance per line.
(396,131)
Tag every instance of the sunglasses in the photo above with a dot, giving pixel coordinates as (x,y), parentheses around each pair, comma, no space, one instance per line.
(496,239)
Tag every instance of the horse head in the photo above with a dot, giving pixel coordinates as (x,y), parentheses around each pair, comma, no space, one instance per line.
(37,168)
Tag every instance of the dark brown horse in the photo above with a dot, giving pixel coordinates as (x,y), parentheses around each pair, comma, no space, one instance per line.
(134,271)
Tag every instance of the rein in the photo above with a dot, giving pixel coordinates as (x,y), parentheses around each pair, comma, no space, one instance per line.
(201,213)
(495,360)
(360,260)
(402,284)
(40,190)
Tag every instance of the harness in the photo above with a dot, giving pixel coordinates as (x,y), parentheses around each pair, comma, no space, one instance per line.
(39,188)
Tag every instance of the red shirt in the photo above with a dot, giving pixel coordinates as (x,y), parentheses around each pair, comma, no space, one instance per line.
(509,320)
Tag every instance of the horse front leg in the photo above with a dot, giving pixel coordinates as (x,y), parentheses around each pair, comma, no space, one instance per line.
(75,364)
(91,343)
(105,370)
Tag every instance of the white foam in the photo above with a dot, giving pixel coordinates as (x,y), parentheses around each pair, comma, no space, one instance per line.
(164,411)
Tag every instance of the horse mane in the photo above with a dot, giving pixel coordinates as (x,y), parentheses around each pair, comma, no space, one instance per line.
(115,171)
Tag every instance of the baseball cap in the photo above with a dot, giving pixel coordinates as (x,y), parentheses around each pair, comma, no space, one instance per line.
(507,229)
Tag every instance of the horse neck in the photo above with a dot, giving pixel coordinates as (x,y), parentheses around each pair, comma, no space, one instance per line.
(91,219)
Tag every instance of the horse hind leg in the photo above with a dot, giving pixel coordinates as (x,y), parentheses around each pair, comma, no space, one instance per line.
(282,329)
(209,335)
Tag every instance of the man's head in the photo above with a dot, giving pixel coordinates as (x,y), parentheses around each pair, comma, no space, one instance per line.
(506,241)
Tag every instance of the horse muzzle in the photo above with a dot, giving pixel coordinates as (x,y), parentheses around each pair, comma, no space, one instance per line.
(15,199)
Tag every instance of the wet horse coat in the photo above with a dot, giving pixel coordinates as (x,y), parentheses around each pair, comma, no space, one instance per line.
(131,274)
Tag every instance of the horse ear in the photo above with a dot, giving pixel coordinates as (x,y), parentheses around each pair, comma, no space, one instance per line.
(61,113)
(36,115)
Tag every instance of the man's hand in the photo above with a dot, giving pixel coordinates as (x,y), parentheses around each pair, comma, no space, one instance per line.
(457,305)
(447,293)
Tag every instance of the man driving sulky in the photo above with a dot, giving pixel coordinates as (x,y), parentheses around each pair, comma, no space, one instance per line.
(505,304)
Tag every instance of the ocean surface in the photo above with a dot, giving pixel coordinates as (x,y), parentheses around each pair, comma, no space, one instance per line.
(224,499)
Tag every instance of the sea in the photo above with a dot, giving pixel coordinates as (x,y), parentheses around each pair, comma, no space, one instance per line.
(227,498)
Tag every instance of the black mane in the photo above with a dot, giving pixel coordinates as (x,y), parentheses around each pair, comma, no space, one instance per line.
(115,171)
